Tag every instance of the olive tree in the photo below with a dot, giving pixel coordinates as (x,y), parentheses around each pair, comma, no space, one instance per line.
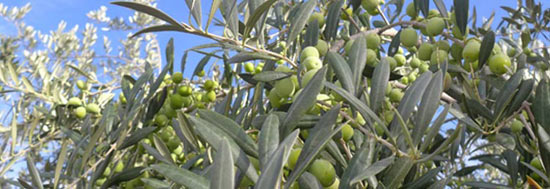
(309,94)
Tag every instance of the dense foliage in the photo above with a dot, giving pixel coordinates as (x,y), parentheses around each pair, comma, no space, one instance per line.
(313,94)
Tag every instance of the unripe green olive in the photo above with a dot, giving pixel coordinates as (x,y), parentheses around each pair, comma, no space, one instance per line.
(322,47)
(293,157)
(405,80)
(100,181)
(443,45)
(373,41)
(425,51)
(412,77)
(471,50)
(324,171)
(457,34)
(344,14)
(411,10)
(177,77)
(348,45)
(122,98)
(119,167)
(438,57)
(249,67)
(93,108)
(415,62)
(284,88)
(310,51)
(396,95)
(392,62)
(408,37)
(400,59)
(211,96)
(435,26)
(447,82)
(274,99)
(185,91)
(499,64)
(74,101)
(317,16)
(535,162)
(433,13)
(388,116)
(371,57)
(312,63)
(201,73)
(469,66)
(307,77)
(161,120)
(210,85)
(81,85)
(334,185)
(511,52)
(423,67)
(379,129)
(347,132)
(456,51)
(371,6)
(176,101)
(80,112)
(516,126)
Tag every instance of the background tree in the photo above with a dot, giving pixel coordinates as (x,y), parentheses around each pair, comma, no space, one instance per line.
(334,94)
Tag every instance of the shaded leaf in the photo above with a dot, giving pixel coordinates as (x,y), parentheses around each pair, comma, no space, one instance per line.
(342,70)
(248,56)
(428,106)
(486,48)
(298,21)
(137,136)
(461,14)
(181,176)
(222,174)
(267,76)
(379,84)
(373,169)
(268,139)
(126,175)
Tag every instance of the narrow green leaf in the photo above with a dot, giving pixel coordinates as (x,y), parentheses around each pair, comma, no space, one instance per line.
(182,176)
(428,106)
(312,34)
(195,9)
(512,164)
(541,104)
(126,175)
(373,169)
(486,48)
(309,181)
(477,184)
(441,7)
(170,55)
(379,84)
(410,100)
(60,162)
(222,174)
(318,137)
(394,44)
(162,148)
(298,21)
(140,7)
(272,173)
(342,70)
(35,175)
(425,180)
(213,135)
(363,109)
(536,170)
(467,170)
(479,109)
(422,5)
(358,163)
(201,64)
(253,19)
(434,130)
(461,14)
(333,18)
(268,138)
(155,183)
(213,8)
(158,28)
(507,93)
(137,136)
(397,172)
(232,129)
(357,59)
(248,56)
(267,76)
(155,153)
(524,92)
(231,16)
(304,101)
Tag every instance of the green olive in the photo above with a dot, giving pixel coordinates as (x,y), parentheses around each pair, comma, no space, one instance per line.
(400,59)
(322,47)
(471,51)
(516,126)
(408,37)
(310,51)
(324,171)
(185,91)
(373,41)
(211,96)
(74,101)
(80,112)
(93,108)
(372,60)
(293,157)
(499,64)
(411,10)
(438,57)
(319,17)
(81,85)
(210,85)
(177,77)
(347,132)
(425,51)
(249,67)
(312,63)
(396,95)
(161,120)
